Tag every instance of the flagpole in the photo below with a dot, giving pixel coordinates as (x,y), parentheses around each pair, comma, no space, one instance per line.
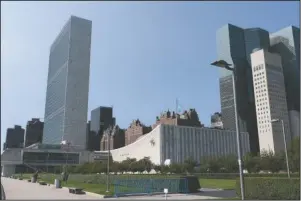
(176,133)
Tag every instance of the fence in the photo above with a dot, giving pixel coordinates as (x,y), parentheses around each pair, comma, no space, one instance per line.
(149,186)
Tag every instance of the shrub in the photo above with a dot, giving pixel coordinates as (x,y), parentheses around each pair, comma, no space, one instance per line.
(260,188)
(236,175)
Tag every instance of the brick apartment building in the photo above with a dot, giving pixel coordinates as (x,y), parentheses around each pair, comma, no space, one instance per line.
(136,130)
(187,118)
(116,141)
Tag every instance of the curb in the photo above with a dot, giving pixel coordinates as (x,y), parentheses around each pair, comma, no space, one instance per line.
(94,194)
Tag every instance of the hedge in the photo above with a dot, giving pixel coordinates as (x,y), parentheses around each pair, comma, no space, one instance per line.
(270,188)
(236,175)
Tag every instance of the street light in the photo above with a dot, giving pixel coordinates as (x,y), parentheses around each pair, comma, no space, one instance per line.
(285,147)
(109,132)
(225,65)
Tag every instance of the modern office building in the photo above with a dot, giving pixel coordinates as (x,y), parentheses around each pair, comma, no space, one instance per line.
(161,144)
(286,42)
(14,137)
(43,157)
(87,135)
(234,45)
(68,84)
(270,98)
(101,119)
(34,132)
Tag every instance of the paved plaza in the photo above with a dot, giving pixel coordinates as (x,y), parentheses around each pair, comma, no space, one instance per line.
(21,189)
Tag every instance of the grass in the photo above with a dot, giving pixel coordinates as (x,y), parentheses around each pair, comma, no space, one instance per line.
(226,184)
(100,188)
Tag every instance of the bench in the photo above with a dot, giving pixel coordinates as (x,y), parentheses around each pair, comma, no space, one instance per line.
(76,190)
(42,183)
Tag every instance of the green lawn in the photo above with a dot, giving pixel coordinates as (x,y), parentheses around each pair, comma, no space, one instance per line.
(225,184)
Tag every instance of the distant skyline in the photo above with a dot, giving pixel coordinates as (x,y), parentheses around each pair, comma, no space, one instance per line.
(144,54)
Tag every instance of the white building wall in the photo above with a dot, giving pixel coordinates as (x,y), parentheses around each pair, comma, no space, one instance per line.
(11,156)
(180,143)
(147,146)
(270,100)
(8,170)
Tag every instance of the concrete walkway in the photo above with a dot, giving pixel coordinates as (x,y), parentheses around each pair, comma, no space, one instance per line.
(21,189)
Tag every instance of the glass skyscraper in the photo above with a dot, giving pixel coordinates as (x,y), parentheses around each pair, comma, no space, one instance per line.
(68,84)
(286,42)
(235,45)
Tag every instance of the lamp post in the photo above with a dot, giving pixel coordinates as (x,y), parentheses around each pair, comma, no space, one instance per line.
(285,147)
(225,65)
(109,132)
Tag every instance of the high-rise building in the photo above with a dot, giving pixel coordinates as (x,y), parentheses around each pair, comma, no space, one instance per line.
(270,98)
(34,132)
(116,141)
(14,137)
(68,84)
(186,118)
(101,119)
(286,43)
(87,135)
(136,130)
(234,45)
(216,120)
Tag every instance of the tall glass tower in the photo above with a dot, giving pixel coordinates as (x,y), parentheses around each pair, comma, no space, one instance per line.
(234,45)
(286,42)
(68,84)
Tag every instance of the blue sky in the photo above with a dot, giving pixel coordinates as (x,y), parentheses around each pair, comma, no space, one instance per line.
(144,54)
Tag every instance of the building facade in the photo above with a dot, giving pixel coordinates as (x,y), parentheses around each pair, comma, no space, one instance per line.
(88,147)
(34,132)
(135,131)
(216,120)
(43,157)
(286,42)
(101,119)
(14,137)
(162,144)
(116,141)
(270,97)
(235,45)
(187,118)
(68,84)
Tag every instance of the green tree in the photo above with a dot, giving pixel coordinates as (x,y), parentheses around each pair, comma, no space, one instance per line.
(146,162)
(228,163)
(176,168)
(251,163)
(294,154)
(271,162)
(189,165)
(157,168)
(214,165)
(164,169)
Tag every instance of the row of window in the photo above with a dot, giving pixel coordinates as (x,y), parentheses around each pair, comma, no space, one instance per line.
(257,68)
